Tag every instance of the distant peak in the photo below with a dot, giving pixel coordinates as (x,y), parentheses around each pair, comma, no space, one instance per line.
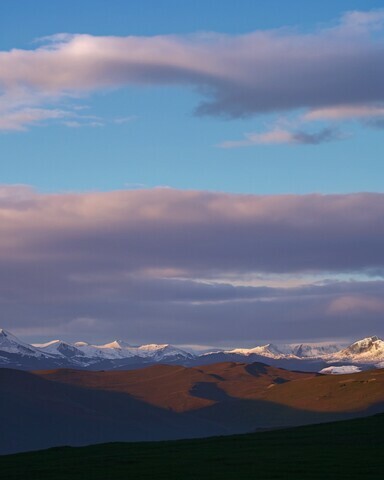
(6,334)
(367,345)
(48,344)
(368,340)
(117,344)
(154,346)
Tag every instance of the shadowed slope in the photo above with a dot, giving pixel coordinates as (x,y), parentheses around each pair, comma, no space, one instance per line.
(343,450)
(36,413)
(166,402)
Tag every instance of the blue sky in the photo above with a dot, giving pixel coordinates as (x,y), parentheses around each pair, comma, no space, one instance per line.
(163,142)
(102,101)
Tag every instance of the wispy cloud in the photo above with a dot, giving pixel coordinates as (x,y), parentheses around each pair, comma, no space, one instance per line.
(345,112)
(280,136)
(18,120)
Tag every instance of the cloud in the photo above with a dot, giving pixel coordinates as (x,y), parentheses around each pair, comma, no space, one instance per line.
(20,119)
(279,136)
(359,20)
(168,265)
(376,122)
(122,120)
(77,124)
(237,75)
(345,112)
(356,304)
(368,115)
(196,231)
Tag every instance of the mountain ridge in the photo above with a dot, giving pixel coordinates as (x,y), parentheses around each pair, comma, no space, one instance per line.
(119,354)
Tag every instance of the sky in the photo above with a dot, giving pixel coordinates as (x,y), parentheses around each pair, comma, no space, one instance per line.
(177,172)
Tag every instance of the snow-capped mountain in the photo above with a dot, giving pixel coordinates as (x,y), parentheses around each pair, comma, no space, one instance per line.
(15,353)
(105,352)
(119,354)
(122,349)
(269,351)
(58,347)
(11,344)
(309,350)
(302,350)
(113,354)
(162,352)
(324,357)
(367,350)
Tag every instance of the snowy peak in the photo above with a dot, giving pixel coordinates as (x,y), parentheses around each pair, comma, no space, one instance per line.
(304,350)
(163,351)
(270,350)
(120,349)
(301,350)
(117,344)
(7,336)
(369,344)
(158,352)
(58,347)
(370,349)
(11,344)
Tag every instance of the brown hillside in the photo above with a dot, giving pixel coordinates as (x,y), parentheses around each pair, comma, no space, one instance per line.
(331,393)
(184,389)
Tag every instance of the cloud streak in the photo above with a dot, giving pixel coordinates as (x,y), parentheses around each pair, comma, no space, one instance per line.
(281,137)
(346,112)
(237,76)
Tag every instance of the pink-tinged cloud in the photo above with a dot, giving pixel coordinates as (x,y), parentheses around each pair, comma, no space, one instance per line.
(345,112)
(238,75)
(356,305)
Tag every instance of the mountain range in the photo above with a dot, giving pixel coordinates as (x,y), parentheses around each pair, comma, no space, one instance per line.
(120,355)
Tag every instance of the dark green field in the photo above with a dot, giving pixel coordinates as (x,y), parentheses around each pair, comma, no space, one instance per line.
(344,450)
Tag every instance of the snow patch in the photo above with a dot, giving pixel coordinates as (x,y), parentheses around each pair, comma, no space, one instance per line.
(342,370)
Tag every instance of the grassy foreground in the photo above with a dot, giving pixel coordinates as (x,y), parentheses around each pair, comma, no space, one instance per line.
(352,449)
